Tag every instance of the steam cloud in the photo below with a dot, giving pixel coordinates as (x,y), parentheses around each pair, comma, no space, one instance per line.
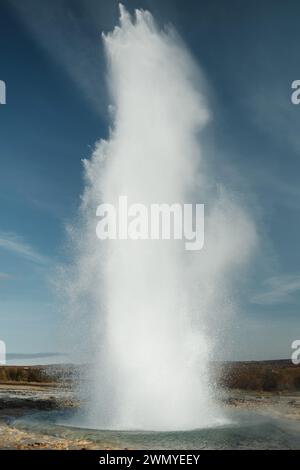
(148,313)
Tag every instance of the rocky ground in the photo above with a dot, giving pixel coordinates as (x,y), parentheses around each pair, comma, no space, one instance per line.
(18,400)
(13,438)
(281,405)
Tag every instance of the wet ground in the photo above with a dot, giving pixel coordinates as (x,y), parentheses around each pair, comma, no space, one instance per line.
(36,417)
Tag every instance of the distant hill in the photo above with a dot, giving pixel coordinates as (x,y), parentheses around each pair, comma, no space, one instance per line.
(40,355)
(275,375)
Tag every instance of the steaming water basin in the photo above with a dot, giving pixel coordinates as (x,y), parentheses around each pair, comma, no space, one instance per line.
(243,430)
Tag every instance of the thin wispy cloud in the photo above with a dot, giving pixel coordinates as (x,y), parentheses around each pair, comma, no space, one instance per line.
(60,31)
(277,290)
(276,117)
(15,244)
(5,276)
(284,192)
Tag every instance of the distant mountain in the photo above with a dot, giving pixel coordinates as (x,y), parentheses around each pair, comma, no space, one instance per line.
(39,355)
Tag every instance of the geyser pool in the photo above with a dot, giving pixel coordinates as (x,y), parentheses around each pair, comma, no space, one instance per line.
(147,314)
(245,430)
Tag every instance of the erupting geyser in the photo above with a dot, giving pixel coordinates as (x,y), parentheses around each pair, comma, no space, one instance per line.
(146,312)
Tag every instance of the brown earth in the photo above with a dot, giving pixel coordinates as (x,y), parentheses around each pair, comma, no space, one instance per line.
(280,375)
(270,387)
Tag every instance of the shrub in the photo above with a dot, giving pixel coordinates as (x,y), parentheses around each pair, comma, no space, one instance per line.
(297,382)
(270,381)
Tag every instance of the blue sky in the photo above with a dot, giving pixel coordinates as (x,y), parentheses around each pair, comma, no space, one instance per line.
(52,61)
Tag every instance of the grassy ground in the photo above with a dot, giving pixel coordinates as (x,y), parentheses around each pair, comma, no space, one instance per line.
(270,376)
(267,376)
